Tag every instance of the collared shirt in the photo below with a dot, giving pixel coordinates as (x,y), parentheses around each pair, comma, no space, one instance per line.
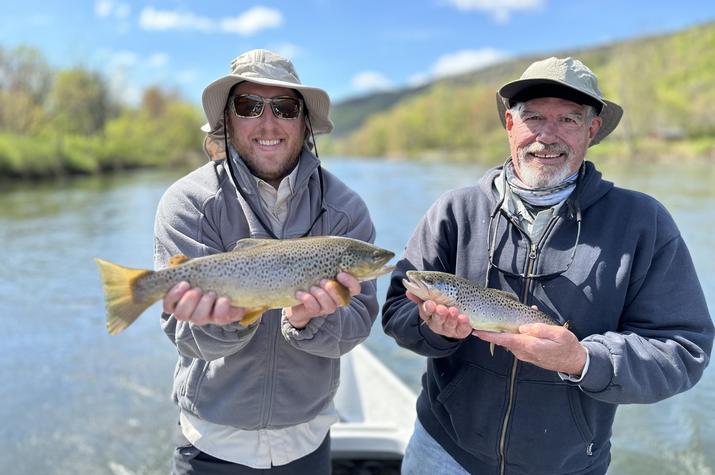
(534,223)
(275,202)
(262,448)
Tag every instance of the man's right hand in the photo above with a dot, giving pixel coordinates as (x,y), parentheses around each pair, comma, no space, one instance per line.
(445,321)
(193,305)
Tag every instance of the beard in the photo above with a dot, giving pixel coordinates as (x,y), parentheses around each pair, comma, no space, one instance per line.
(284,168)
(537,175)
(270,167)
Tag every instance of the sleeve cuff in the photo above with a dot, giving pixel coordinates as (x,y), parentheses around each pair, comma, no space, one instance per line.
(292,333)
(577,379)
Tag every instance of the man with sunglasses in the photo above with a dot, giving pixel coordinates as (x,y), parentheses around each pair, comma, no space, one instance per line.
(549,229)
(258,397)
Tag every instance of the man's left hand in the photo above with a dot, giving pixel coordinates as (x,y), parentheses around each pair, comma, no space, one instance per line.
(547,346)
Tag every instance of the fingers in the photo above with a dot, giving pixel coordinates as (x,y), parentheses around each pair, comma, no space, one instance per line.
(173,296)
(446,321)
(350,282)
(193,305)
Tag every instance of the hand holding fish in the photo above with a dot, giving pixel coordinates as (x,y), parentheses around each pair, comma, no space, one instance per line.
(193,305)
(443,320)
(322,300)
(550,347)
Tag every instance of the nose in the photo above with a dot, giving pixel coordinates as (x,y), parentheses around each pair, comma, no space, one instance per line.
(268,116)
(548,132)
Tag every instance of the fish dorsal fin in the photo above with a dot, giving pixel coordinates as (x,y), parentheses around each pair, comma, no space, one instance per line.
(507,294)
(177,259)
(250,243)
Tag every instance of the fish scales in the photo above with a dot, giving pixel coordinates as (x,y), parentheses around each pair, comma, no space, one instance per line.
(488,309)
(258,274)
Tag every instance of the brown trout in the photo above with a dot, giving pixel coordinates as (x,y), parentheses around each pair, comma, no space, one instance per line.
(488,309)
(258,274)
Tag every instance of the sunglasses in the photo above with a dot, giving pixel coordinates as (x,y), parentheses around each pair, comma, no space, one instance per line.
(250,106)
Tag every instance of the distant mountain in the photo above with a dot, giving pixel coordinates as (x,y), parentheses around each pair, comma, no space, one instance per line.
(666,85)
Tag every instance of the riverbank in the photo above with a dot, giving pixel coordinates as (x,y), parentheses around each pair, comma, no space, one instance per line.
(46,158)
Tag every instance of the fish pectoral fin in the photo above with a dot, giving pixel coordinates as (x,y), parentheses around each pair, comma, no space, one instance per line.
(178,259)
(250,243)
(252,315)
(341,290)
(491,349)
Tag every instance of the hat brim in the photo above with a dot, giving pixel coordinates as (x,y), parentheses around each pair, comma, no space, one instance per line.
(215,95)
(610,114)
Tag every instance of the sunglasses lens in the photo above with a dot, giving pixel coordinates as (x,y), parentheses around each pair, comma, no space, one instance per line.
(248,106)
(286,107)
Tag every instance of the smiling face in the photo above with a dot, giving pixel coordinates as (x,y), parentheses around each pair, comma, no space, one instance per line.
(269,146)
(548,140)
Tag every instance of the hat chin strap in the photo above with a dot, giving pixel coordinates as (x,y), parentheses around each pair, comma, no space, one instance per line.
(312,136)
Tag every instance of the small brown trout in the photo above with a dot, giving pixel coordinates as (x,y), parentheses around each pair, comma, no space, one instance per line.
(488,309)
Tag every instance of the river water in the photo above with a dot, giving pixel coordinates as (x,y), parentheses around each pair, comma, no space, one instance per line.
(76,401)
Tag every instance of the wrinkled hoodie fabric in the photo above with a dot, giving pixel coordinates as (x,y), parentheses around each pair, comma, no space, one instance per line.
(267,375)
(631,296)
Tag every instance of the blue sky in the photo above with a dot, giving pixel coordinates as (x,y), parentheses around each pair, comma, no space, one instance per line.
(349,48)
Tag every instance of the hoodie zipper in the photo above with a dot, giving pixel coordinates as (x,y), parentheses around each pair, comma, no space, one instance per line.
(528,282)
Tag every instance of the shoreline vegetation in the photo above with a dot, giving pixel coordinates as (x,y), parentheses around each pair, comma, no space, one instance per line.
(56,123)
(59,123)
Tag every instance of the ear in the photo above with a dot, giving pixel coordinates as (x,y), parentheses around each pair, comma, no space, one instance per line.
(509,120)
(594,127)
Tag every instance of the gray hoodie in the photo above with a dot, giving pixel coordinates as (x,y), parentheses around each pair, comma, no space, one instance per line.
(261,376)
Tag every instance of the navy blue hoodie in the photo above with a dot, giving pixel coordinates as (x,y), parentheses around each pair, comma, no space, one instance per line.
(631,296)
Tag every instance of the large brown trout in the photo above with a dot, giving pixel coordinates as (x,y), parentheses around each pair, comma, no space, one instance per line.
(259,274)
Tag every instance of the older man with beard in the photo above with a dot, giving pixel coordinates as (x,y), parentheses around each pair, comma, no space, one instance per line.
(547,228)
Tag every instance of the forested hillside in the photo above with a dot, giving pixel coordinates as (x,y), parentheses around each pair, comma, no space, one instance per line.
(665,84)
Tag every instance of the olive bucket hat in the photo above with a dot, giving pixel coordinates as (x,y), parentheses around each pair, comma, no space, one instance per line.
(264,67)
(567,78)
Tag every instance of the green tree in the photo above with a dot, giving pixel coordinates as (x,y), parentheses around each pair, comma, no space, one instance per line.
(25,79)
(79,102)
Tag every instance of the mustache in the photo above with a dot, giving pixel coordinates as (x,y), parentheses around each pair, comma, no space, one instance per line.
(554,148)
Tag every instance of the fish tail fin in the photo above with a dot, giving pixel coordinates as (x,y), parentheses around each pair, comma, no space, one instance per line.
(119,284)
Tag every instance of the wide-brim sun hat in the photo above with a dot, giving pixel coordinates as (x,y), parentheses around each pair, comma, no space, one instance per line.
(567,78)
(267,68)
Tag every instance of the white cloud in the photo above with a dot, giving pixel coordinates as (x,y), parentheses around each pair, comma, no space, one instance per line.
(370,81)
(249,23)
(459,62)
(110,8)
(152,19)
(287,50)
(186,76)
(466,60)
(499,9)
(252,21)
(122,60)
(157,60)
(418,79)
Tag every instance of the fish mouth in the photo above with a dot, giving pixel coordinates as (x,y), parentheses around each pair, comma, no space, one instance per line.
(382,257)
(380,260)
(418,287)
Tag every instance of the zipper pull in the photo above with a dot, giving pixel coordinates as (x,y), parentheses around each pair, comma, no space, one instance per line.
(532,252)
(589,449)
